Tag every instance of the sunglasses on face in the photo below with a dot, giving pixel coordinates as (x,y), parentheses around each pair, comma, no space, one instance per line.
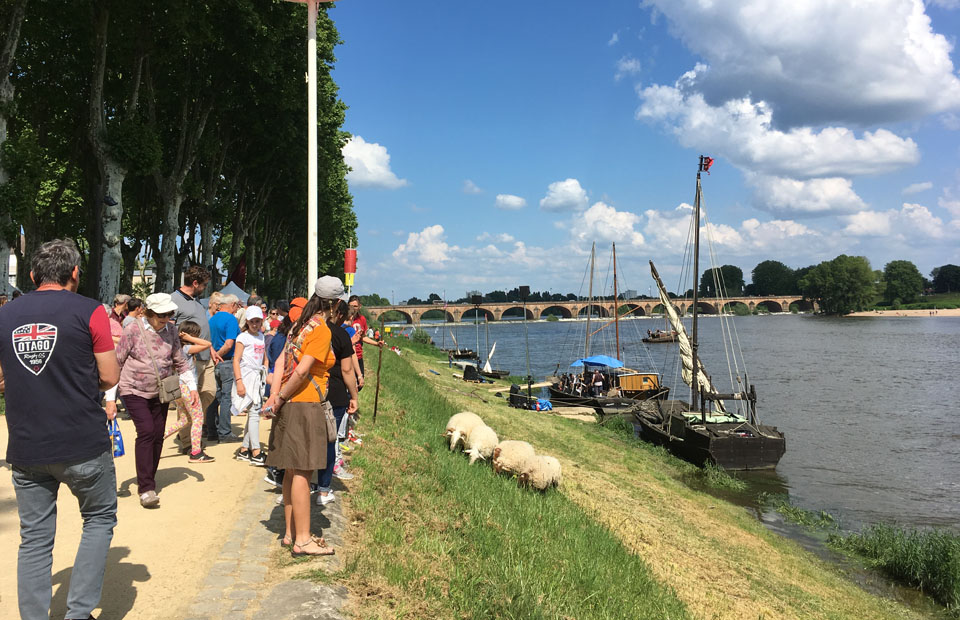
(164,315)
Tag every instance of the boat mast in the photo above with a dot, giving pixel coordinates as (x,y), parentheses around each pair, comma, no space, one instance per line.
(586,346)
(616,313)
(694,384)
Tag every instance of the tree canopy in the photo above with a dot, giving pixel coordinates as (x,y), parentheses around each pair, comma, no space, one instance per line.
(729,278)
(772,277)
(946,279)
(903,281)
(840,286)
(173,132)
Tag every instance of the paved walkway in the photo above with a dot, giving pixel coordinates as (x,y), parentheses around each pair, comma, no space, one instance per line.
(235,586)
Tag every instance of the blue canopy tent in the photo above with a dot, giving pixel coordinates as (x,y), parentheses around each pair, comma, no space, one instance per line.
(598,360)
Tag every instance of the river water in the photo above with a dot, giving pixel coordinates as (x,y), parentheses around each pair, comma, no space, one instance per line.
(869,406)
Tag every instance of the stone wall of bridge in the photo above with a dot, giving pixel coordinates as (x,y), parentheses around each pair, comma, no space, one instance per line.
(457,313)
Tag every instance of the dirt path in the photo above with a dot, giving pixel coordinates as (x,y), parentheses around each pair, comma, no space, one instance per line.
(904,313)
(215,520)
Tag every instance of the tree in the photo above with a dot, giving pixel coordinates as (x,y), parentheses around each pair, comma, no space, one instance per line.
(11,30)
(432,297)
(772,277)
(903,281)
(946,278)
(730,278)
(840,286)
(413,301)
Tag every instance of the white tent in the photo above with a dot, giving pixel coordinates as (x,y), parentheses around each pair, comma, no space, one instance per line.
(232,289)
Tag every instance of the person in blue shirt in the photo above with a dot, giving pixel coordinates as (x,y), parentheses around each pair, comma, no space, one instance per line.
(224,329)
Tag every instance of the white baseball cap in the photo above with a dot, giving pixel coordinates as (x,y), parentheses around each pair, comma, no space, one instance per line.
(253,312)
(160,303)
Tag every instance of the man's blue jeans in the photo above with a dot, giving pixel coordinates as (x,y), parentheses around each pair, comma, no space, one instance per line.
(94,484)
(224,397)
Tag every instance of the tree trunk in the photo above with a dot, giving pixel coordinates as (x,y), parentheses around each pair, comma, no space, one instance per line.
(8,232)
(111,263)
(172,198)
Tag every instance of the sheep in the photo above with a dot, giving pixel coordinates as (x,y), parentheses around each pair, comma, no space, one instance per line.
(510,457)
(480,443)
(540,473)
(459,427)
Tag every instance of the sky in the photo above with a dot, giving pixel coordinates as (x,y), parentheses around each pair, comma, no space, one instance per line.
(494,142)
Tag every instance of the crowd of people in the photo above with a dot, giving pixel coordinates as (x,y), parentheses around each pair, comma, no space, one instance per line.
(71,364)
(588,383)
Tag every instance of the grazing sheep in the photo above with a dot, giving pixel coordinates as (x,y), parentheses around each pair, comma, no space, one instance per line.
(459,427)
(510,457)
(480,443)
(540,473)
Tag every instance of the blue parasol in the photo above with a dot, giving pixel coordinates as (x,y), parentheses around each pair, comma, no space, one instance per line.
(598,360)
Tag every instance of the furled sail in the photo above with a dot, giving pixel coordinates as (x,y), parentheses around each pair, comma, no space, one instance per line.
(686,348)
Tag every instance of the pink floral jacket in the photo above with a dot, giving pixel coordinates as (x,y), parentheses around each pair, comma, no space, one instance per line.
(137,375)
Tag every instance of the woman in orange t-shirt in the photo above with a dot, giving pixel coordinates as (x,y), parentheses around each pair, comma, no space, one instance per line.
(298,437)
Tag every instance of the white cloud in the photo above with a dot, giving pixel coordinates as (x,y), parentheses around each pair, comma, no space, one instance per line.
(886,64)
(912,220)
(916,188)
(627,65)
(805,198)
(614,39)
(946,4)
(564,195)
(951,121)
(743,132)
(951,203)
(601,222)
(370,165)
(469,187)
(769,235)
(425,249)
(509,202)
(500,238)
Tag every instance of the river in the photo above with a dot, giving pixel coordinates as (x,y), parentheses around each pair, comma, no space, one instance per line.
(869,406)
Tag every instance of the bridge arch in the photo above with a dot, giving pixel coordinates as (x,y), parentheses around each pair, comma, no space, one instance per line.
(803,305)
(629,309)
(706,308)
(561,311)
(515,312)
(437,313)
(468,315)
(601,311)
(731,307)
(770,305)
(406,315)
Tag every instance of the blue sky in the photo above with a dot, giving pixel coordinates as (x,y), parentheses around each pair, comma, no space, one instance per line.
(495,141)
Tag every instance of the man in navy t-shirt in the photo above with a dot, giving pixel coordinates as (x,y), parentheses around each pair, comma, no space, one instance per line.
(56,355)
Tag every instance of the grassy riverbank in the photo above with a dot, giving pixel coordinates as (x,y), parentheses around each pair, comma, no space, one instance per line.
(627,535)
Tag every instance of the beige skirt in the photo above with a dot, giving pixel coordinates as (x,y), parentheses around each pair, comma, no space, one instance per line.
(298,437)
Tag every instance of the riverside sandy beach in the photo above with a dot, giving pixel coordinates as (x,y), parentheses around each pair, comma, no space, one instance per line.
(907,313)
(159,558)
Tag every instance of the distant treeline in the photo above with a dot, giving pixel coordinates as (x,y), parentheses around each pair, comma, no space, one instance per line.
(844,284)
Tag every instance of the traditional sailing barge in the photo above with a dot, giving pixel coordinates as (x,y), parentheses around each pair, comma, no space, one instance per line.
(705,431)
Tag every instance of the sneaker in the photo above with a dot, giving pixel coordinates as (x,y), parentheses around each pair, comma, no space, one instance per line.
(242,455)
(323,500)
(314,487)
(279,499)
(341,473)
(201,457)
(260,460)
(272,477)
(149,499)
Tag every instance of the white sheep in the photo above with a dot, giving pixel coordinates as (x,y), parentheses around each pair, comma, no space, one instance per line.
(510,457)
(540,473)
(480,443)
(459,426)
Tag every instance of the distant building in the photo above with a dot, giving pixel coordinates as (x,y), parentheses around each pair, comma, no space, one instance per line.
(629,294)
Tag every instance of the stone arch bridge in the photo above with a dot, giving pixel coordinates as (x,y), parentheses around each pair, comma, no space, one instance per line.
(455,313)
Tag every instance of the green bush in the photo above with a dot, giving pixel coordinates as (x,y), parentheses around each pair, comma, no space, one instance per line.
(420,336)
(928,559)
(552,317)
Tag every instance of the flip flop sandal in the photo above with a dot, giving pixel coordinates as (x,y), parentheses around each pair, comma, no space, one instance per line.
(322,549)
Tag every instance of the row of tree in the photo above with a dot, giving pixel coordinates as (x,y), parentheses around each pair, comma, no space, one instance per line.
(168,131)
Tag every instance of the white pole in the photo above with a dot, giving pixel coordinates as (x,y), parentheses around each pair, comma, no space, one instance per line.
(312,6)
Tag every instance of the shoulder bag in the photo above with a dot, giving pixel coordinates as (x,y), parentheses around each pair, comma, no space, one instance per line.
(168,388)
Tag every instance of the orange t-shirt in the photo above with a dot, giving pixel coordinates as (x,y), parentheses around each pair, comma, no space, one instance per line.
(316,345)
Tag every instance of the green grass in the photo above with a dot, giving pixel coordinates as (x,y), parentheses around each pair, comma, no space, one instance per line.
(441,538)
(927,559)
(812,519)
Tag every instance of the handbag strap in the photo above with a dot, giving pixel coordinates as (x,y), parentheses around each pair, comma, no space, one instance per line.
(143,335)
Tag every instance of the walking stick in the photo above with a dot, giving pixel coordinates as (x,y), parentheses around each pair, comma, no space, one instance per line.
(376,394)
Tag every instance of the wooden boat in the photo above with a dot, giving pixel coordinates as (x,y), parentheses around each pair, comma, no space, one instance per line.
(660,336)
(705,431)
(495,373)
(626,387)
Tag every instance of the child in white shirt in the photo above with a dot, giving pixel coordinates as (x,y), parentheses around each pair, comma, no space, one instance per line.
(250,370)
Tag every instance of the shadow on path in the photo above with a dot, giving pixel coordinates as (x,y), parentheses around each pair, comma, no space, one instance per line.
(165,478)
(119,591)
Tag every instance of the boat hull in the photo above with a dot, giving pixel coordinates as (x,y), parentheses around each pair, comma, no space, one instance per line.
(722,444)
(559,398)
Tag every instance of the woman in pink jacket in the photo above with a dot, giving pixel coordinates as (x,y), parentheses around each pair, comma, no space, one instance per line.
(145,341)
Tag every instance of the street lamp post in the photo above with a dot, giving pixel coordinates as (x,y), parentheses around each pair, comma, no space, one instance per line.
(312,8)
